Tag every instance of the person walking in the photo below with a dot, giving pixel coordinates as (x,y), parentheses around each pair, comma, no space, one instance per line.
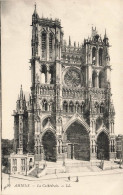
(77,179)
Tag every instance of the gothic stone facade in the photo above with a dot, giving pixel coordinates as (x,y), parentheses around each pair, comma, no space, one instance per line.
(70,113)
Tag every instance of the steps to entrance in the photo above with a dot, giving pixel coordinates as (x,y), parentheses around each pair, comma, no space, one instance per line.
(47,168)
(77,169)
(53,168)
(81,166)
(94,169)
(108,165)
(50,168)
(35,172)
(81,163)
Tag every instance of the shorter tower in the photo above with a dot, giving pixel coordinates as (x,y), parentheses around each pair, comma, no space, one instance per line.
(20,124)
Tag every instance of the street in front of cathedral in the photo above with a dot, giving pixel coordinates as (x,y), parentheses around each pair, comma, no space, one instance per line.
(87,184)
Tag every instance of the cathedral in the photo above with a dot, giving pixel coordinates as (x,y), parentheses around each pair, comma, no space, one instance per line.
(70,113)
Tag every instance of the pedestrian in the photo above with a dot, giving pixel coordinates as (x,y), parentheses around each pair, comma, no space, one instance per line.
(77,179)
(69,178)
(43,166)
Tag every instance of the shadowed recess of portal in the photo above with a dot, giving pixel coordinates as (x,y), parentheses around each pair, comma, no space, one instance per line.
(49,144)
(77,135)
(103,146)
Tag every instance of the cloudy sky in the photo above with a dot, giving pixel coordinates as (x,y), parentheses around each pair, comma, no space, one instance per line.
(77,18)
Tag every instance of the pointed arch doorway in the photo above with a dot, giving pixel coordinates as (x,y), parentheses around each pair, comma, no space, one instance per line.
(78,142)
(103,146)
(49,145)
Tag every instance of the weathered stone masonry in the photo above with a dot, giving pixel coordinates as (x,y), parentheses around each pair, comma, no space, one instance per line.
(70,113)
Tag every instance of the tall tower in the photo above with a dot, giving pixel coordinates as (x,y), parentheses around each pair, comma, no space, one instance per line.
(98,81)
(46,81)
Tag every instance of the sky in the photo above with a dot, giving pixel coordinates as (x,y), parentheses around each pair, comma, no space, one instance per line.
(77,18)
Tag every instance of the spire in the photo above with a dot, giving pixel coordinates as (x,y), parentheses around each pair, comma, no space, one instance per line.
(105,36)
(35,10)
(69,41)
(35,6)
(105,40)
(21,93)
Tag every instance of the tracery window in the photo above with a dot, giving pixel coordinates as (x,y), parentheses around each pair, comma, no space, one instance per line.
(45,105)
(44,74)
(94,55)
(43,44)
(94,79)
(65,106)
(101,108)
(50,45)
(71,107)
(100,56)
(72,78)
(101,80)
(77,106)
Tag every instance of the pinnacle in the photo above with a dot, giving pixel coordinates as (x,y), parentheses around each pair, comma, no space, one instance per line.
(21,93)
(69,41)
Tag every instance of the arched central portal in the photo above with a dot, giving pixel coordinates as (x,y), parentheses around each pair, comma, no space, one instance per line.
(49,144)
(103,146)
(78,142)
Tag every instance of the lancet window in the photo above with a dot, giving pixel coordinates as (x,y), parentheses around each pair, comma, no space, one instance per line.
(100,56)
(43,44)
(94,56)
(50,45)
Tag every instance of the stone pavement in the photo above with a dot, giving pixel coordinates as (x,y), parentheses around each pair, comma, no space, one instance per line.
(66,175)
